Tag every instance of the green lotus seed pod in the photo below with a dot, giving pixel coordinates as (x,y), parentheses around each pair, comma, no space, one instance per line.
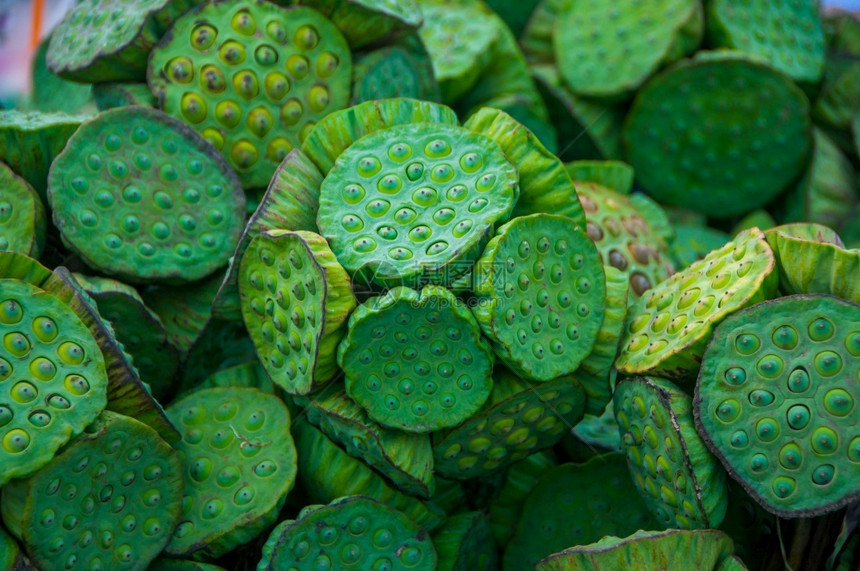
(576,504)
(775,401)
(400,70)
(329,473)
(655,214)
(22,215)
(406,459)
(290,203)
(544,183)
(682,484)
(542,291)
(808,262)
(519,480)
(416,360)
(239,464)
(614,175)
(464,543)
(295,302)
(111,95)
(11,556)
(138,328)
(54,375)
(520,418)
(694,242)
(788,35)
(52,93)
(364,22)
(722,162)
(167,564)
(671,550)
(610,53)
(109,500)
(220,345)
(257,81)
(335,133)
(667,329)
(837,103)
(350,533)
(537,35)
(29,143)
(599,432)
(131,219)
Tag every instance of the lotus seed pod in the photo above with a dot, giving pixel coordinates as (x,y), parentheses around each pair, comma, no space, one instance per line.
(544,183)
(694,242)
(290,203)
(599,432)
(611,53)
(671,550)
(519,480)
(168,564)
(464,543)
(111,95)
(667,329)
(401,70)
(109,500)
(52,93)
(22,215)
(329,473)
(239,464)
(542,300)
(354,532)
(138,328)
(656,215)
(837,102)
(220,345)
(364,22)
(775,401)
(536,38)
(808,262)
(405,458)
(614,175)
(29,143)
(295,302)
(257,81)
(11,556)
(682,484)
(335,133)
(576,504)
(416,361)
(520,418)
(788,35)
(132,219)
(722,162)
(54,375)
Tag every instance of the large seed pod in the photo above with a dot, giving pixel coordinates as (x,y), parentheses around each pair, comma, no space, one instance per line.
(464,543)
(400,70)
(22,215)
(53,93)
(364,22)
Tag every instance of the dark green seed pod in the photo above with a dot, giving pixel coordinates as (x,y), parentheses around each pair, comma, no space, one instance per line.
(239,464)
(416,361)
(401,70)
(667,329)
(118,204)
(614,175)
(22,215)
(599,432)
(110,95)
(837,102)
(52,93)
(722,163)
(519,480)
(543,295)
(536,38)
(682,484)
(351,533)
(464,543)
(257,80)
(776,401)
(364,22)
(108,500)
(694,242)
(519,419)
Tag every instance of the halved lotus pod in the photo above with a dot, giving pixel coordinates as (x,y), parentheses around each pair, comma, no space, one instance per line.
(808,261)
(405,458)
(611,53)
(400,70)
(415,203)
(667,329)
(519,480)
(29,142)
(544,183)
(110,95)
(464,543)
(416,360)
(576,504)
(775,401)
(239,463)
(614,175)
(722,163)
(220,345)
(339,130)
(354,532)
(138,328)
(22,215)
(599,432)
(53,373)
(296,300)
(789,36)
(328,473)
(265,76)
(670,550)
(52,93)
(11,556)
(694,242)
(543,295)
(291,202)
(109,500)
(168,564)
(365,22)
(519,419)
(682,484)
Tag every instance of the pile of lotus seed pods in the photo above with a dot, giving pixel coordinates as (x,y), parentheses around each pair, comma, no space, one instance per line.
(433,284)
